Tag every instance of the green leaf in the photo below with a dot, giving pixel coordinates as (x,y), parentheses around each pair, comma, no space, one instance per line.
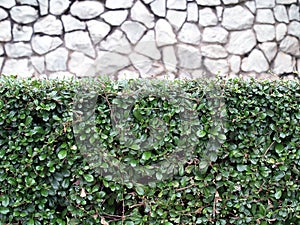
(140,190)
(135,147)
(222,137)
(159,176)
(146,155)
(241,168)
(278,194)
(88,177)
(62,154)
(4,210)
(203,165)
(5,200)
(31,222)
(279,148)
(201,133)
(137,114)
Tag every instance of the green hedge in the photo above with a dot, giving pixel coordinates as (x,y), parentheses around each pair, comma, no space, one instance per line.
(253,178)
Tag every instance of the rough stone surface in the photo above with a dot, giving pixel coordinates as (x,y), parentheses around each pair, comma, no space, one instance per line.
(7,3)
(264,32)
(5,34)
(97,30)
(189,34)
(158,7)
(133,30)
(255,62)
(176,4)
(145,66)
(281,30)
(169,58)
(22,33)
(189,57)
(28,2)
(116,42)
(290,45)
(3,14)
(214,51)
(294,29)
(208,2)
(81,65)
(294,12)
(1,50)
(241,42)
(176,18)
(87,9)
(237,18)
(38,62)
(164,33)
(147,46)
(207,17)
(43,5)
(17,67)
(235,63)
(42,44)
(265,16)
(215,34)
(120,4)
(57,60)
(286,1)
(24,14)
(283,63)
(228,2)
(58,7)
(219,11)
(269,49)
(79,41)
(215,67)
(116,17)
(48,25)
(70,23)
(251,5)
(298,65)
(265,4)
(192,12)
(280,14)
(128,74)
(17,50)
(141,14)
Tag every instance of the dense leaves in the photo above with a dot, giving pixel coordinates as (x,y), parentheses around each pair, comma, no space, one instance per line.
(253,178)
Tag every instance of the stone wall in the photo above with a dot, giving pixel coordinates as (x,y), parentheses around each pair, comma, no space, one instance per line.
(149,38)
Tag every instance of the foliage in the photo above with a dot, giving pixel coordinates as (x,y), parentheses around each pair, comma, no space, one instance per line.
(253,178)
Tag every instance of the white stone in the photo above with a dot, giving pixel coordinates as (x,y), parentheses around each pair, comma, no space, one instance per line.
(241,42)
(120,4)
(5,34)
(1,50)
(158,7)
(283,63)
(7,3)
(98,30)
(208,2)
(140,13)
(287,2)
(71,23)
(264,32)
(116,42)
(1,63)
(294,12)
(24,14)
(255,62)
(133,30)
(164,34)
(176,18)
(57,60)
(219,11)
(128,74)
(43,44)
(229,2)
(237,18)
(147,46)
(265,16)
(169,58)
(176,4)
(294,29)
(80,41)
(215,34)
(265,4)
(269,49)
(251,6)
(280,14)
(290,45)
(38,62)
(207,17)
(81,65)
(3,14)
(281,30)
(61,75)
(217,67)
(115,17)
(22,33)
(43,5)
(189,34)
(189,56)
(109,63)
(192,12)
(58,7)
(17,50)
(18,67)
(235,63)
(214,51)
(148,1)
(87,9)
(48,25)
(28,2)
(298,65)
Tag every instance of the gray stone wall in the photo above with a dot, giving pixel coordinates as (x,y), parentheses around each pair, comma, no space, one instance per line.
(149,38)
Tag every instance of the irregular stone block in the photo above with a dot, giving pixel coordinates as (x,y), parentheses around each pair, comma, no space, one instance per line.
(116,17)
(255,62)
(189,34)
(237,18)
(57,60)
(133,30)
(264,32)
(24,14)
(42,44)
(164,34)
(48,25)
(87,9)
(207,17)
(140,13)
(215,34)
(176,18)
(241,42)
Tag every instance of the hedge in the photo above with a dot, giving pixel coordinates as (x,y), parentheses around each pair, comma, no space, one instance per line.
(244,167)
